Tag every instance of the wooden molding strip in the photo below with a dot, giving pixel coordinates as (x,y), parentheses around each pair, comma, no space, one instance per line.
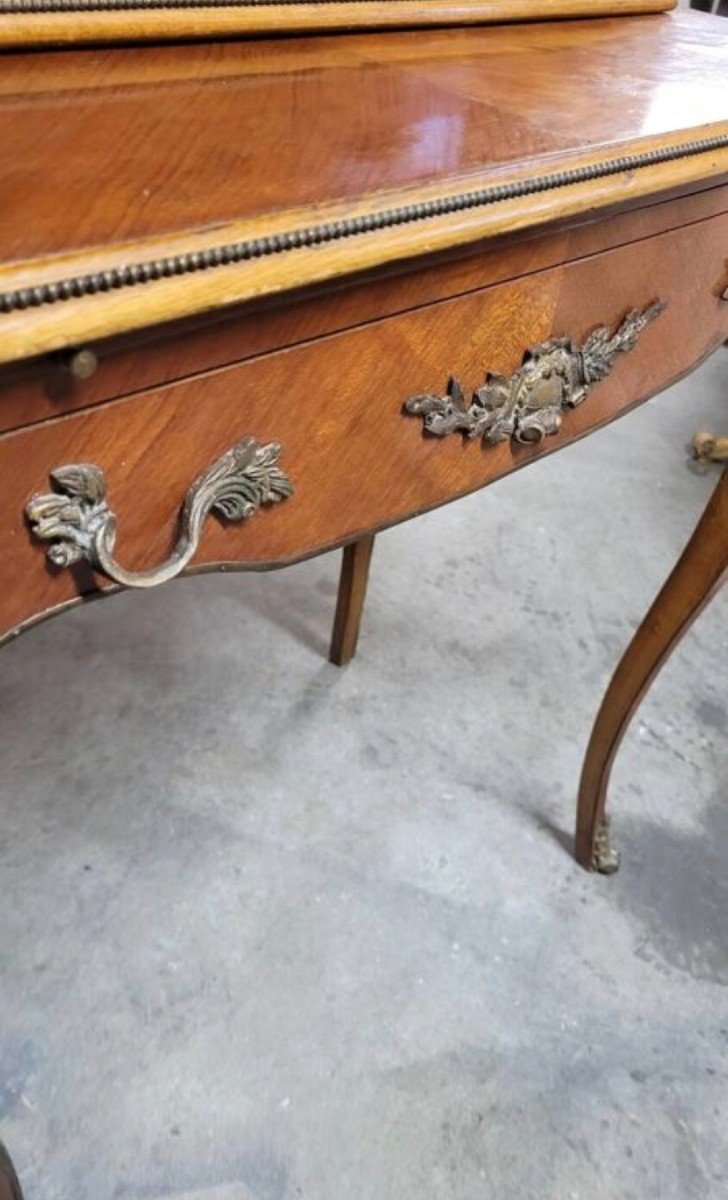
(47,305)
(62,22)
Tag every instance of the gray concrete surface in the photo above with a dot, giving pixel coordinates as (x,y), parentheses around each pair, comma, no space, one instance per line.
(272,930)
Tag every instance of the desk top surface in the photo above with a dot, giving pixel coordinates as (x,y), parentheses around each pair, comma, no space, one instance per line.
(115,145)
(217,173)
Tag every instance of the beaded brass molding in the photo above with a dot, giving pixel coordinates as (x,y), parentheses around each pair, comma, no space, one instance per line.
(213,258)
(19,7)
(527,406)
(78,522)
(79,7)
(90,22)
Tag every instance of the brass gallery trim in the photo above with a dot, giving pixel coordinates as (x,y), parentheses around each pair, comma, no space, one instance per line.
(77,521)
(528,405)
(133,274)
(21,7)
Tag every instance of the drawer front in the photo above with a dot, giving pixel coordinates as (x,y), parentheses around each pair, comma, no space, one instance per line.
(44,388)
(356,459)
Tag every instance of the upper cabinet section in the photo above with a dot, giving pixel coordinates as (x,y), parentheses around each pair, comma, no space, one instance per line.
(75,22)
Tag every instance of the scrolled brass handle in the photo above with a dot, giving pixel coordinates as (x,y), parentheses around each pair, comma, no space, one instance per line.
(79,523)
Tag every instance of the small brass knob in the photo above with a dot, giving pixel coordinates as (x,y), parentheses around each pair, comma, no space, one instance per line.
(82,363)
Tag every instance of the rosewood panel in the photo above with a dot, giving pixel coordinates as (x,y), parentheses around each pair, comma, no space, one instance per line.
(356,461)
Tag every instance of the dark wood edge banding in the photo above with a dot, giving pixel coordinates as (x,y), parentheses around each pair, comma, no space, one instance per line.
(133,274)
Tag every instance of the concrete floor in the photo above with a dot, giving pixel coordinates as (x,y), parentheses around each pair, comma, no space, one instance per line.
(274,930)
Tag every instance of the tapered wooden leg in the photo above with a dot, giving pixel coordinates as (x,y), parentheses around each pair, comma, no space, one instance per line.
(350,603)
(9,1185)
(697,576)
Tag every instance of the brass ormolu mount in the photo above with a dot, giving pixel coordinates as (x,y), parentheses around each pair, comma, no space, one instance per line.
(527,406)
(78,522)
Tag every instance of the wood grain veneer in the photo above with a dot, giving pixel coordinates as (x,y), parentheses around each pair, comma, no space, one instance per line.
(357,462)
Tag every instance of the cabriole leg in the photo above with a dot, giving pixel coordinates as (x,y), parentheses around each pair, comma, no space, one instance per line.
(350,602)
(697,576)
(9,1185)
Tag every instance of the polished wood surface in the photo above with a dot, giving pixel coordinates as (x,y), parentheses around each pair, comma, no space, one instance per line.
(375,113)
(335,404)
(702,569)
(355,565)
(72,28)
(387,120)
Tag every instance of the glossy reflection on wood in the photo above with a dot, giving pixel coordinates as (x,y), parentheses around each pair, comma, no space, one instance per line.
(701,571)
(350,602)
(387,121)
(375,112)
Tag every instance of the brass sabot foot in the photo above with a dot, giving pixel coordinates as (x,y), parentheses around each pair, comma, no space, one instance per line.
(606,857)
(708,447)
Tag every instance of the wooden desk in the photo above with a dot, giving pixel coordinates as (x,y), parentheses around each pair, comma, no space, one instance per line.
(250,274)
(257,265)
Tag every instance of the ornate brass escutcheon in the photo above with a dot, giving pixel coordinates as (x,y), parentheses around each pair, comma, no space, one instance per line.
(78,522)
(527,406)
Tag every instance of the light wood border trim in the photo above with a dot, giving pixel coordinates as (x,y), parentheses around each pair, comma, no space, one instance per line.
(54,326)
(60,28)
